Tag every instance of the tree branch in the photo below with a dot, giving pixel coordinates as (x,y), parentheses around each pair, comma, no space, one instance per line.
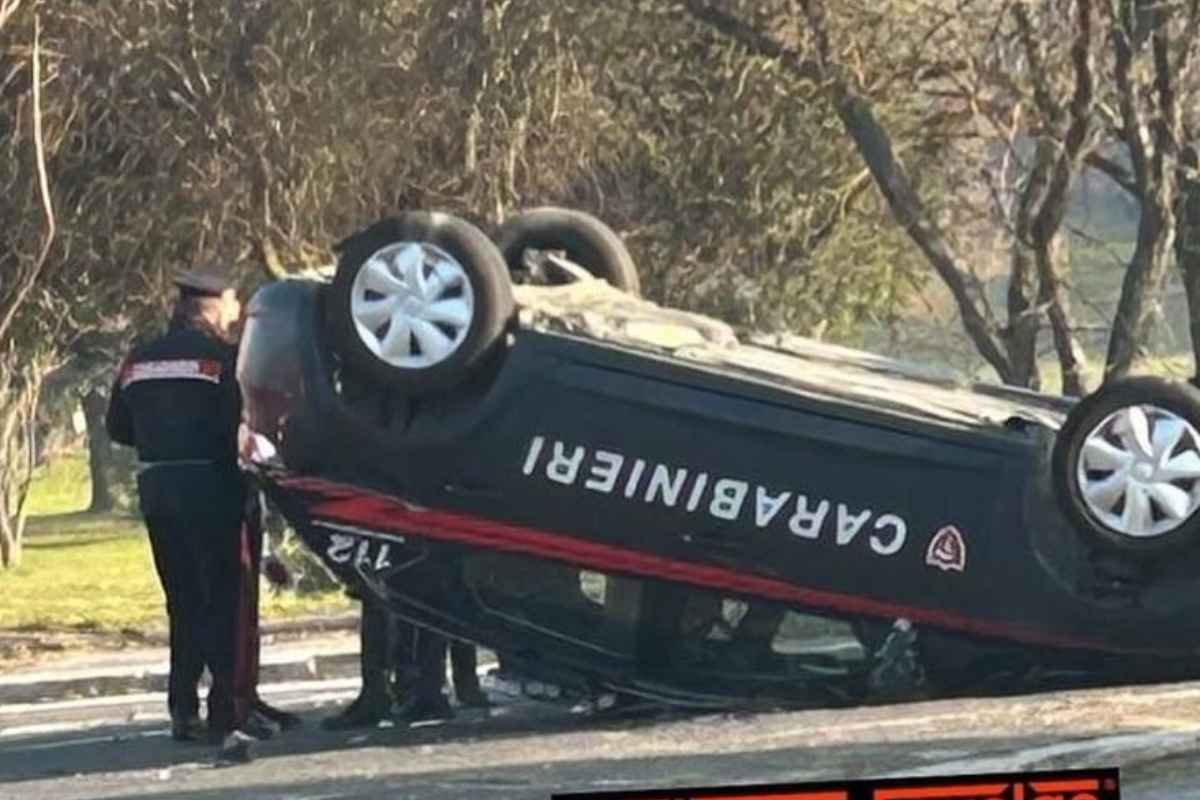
(875,147)
(1042,96)
(7,9)
(1115,172)
(1135,134)
(752,39)
(1167,124)
(30,277)
(852,192)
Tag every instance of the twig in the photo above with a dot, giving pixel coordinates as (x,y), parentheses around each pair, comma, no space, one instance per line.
(7,9)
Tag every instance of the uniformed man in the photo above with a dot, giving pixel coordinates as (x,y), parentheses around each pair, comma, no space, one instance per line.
(177,402)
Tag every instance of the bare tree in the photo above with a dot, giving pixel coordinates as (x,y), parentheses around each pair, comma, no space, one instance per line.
(1149,123)
(22,369)
(17,292)
(1066,132)
(1187,240)
(1058,161)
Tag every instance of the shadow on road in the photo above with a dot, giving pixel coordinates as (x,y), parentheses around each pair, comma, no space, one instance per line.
(141,747)
(523,751)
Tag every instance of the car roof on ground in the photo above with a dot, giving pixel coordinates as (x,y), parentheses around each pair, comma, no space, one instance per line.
(593,310)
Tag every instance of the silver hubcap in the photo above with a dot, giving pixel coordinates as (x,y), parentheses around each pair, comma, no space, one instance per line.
(1139,472)
(412,304)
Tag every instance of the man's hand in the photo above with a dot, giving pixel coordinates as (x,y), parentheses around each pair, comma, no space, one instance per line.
(276,573)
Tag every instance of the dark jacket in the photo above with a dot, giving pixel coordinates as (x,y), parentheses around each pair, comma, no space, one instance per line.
(176,400)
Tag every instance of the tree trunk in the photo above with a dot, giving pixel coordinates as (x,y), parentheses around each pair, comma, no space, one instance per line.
(1143,278)
(99,452)
(1187,246)
(875,147)
(10,544)
(1051,258)
(1153,144)
(1024,316)
(20,391)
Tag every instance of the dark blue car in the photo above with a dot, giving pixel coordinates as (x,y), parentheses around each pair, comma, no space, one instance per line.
(505,443)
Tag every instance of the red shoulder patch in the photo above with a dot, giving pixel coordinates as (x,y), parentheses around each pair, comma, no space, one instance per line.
(194,369)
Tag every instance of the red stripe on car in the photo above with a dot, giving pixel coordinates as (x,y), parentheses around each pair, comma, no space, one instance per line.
(389,515)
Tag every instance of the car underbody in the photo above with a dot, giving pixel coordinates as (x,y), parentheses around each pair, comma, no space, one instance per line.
(631,500)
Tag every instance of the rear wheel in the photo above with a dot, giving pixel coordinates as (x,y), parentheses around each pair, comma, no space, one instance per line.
(418,301)
(586,241)
(1127,466)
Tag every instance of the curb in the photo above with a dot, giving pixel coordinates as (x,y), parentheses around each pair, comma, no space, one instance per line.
(146,671)
(142,678)
(303,626)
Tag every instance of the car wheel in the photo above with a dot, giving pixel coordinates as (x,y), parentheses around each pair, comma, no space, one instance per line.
(586,240)
(1126,465)
(418,301)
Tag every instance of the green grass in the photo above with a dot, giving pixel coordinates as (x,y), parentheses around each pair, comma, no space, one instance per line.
(61,486)
(95,572)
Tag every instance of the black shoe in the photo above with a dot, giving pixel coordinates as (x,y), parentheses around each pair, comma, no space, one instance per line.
(257,726)
(284,719)
(187,729)
(364,712)
(424,709)
(234,749)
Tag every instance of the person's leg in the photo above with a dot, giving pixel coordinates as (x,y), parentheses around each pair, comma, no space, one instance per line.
(186,662)
(215,548)
(252,640)
(405,667)
(374,701)
(426,700)
(464,667)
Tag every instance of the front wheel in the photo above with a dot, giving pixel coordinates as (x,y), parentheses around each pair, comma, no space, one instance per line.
(586,241)
(1127,466)
(419,301)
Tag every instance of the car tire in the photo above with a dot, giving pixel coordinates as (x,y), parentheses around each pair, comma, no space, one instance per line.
(586,240)
(434,274)
(1132,445)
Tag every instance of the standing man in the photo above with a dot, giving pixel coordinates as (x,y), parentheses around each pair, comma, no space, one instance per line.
(176,400)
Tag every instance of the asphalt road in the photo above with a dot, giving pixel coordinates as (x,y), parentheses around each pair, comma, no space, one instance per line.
(527,751)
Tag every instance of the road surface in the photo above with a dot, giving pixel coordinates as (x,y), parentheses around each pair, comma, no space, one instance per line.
(528,751)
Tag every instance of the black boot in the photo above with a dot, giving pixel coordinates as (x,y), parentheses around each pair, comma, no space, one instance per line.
(372,706)
(234,749)
(187,729)
(284,719)
(424,707)
(374,702)
(426,702)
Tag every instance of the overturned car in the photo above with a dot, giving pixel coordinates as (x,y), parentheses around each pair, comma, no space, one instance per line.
(505,443)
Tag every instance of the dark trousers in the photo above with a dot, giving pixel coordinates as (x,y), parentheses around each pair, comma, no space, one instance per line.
(197,564)
(415,655)
(247,645)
